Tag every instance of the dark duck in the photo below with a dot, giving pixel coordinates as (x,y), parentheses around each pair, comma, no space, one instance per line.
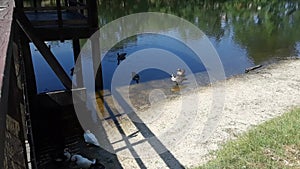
(120,57)
(135,77)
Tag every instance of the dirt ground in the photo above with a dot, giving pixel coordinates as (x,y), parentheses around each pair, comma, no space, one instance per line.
(181,131)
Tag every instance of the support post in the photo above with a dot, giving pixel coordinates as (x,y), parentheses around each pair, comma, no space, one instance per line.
(19,4)
(59,19)
(77,60)
(59,14)
(92,13)
(30,90)
(97,59)
(28,65)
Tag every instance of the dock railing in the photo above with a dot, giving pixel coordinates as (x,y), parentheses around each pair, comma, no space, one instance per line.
(84,12)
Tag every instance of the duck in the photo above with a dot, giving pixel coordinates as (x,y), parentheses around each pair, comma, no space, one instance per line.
(64,157)
(180,72)
(177,79)
(82,162)
(135,77)
(67,154)
(90,138)
(121,57)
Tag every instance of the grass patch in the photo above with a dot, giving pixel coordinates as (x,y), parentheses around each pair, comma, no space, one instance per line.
(273,144)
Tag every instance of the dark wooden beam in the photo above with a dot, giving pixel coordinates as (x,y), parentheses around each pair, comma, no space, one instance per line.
(49,23)
(28,64)
(97,60)
(49,8)
(77,61)
(76,48)
(92,13)
(69,33)
(61,98)
(19,4)
(59,13)
(26,26)
(30,88)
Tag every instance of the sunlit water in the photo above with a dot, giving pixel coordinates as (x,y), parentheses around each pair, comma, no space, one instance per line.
(242,37)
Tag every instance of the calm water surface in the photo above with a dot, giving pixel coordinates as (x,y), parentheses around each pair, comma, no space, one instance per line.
(243,33)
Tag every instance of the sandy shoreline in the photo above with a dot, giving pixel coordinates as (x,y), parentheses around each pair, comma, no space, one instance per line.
(249,100)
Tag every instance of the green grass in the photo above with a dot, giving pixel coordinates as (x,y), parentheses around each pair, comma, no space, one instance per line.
(273,144)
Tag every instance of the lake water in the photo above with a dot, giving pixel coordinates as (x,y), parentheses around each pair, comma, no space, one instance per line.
(243,33)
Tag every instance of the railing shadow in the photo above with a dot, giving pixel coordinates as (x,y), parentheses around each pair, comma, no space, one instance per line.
(149,136)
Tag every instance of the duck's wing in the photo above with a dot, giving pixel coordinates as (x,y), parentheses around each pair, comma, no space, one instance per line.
(180,72)
(83,162)
(179,79)
(91,139)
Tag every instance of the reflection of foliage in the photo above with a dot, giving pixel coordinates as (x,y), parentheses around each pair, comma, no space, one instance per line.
(267,27)
(256,24)
(261,26)
(43,3)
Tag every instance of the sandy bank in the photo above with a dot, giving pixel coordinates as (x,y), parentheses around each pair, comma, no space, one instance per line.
(178,124)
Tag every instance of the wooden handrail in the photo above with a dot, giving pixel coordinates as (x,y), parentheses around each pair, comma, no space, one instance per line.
(87,9)
(55,22)
(52,8)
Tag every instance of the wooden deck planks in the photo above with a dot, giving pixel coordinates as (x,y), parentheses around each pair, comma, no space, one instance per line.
(6,11)
(6,15)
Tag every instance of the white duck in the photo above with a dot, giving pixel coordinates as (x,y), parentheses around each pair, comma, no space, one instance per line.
(67,154)
(82,162)
(90,138)
(180,72)
(65,158)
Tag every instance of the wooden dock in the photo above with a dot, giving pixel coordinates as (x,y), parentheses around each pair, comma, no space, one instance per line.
(54,127)
(46,122)
(72,20)
(6,17)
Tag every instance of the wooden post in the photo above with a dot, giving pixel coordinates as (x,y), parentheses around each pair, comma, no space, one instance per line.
(97,59)
(77,60)
(59,20)
(35,5)
(92,13)
(30,84)
(19,77)
(81,11)
(28,65)
(19,4)
(66,3)
(59,14)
